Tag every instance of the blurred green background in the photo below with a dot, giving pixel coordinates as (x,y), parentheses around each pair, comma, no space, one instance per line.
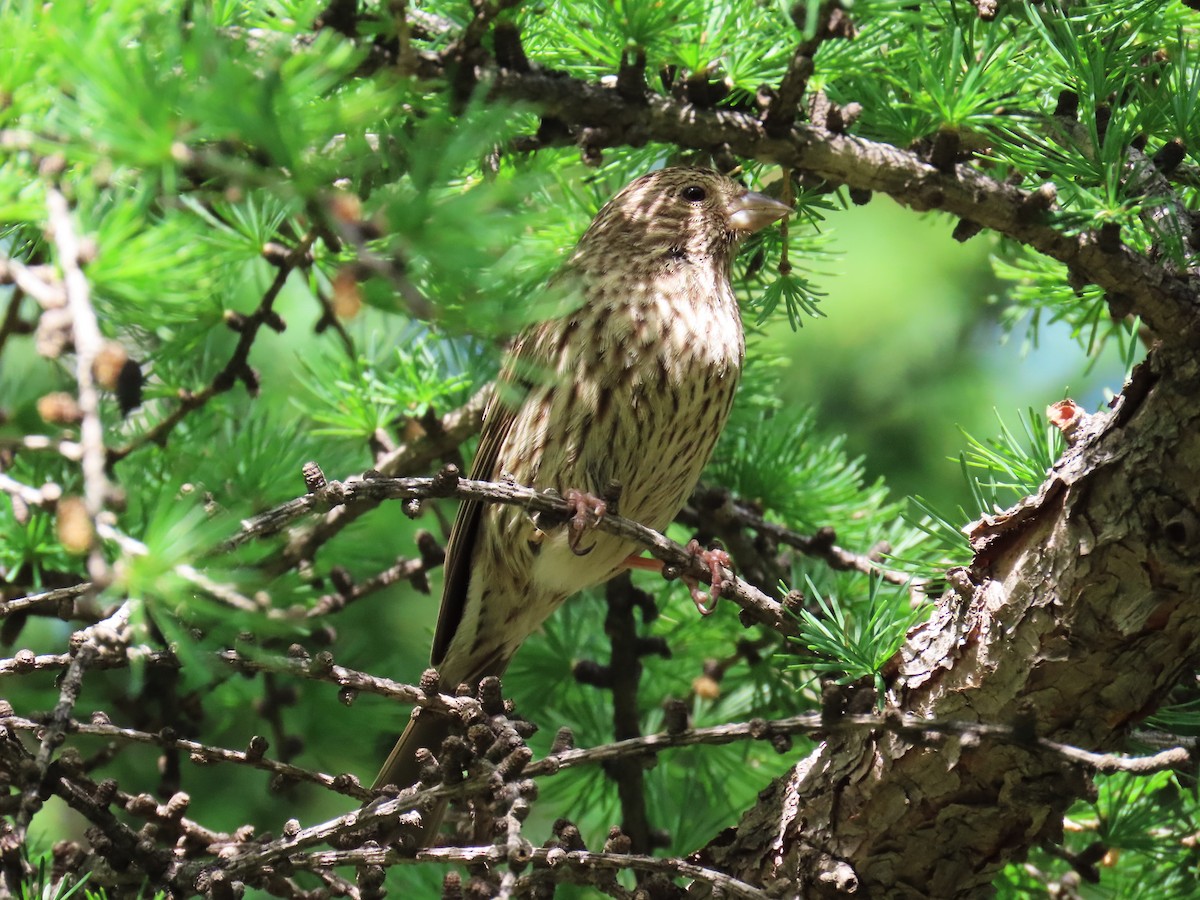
(912,350)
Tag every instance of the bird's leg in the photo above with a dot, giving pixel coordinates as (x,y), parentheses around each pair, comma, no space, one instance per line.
(586,511)
(715,560)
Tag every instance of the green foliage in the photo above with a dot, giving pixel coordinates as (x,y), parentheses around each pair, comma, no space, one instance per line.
(964,71)
(1140,823)
(946,546)
(1003,470)
(999,472)
(417,376)
(777,459)
(42,888)
(800,249)
(1178,718)
(797,295)
(1042,293)
(31,551)
(996,86)
(854,643)
(188,137)
(743,41)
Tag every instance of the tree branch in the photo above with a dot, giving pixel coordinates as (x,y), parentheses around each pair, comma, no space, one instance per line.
(1059,619)
(454,428)
(370,491)
(1165,300)
(88,343)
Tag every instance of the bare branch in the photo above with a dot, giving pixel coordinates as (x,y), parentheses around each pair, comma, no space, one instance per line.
(202,754)
(42,498)
(97,640)
(41,282)
(454,428)
(371,491)
(718,510)
(88,343)
(781,114)
(541,857)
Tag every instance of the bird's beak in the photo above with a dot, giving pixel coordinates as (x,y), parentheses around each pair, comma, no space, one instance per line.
(752,212)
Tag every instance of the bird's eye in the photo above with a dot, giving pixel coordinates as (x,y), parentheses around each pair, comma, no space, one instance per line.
(693,193)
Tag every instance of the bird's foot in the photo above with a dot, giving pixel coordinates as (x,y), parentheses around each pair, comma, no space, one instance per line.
(717,560)
(586,510)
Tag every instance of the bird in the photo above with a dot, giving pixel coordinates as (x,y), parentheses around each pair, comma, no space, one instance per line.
(627,385)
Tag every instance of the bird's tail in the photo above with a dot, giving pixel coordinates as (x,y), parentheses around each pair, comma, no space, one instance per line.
(401,769)
(427,730)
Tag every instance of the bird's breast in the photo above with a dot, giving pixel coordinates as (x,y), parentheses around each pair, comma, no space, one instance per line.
(640,395)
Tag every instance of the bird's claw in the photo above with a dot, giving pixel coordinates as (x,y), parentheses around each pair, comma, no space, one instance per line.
(717,561)
(586,511)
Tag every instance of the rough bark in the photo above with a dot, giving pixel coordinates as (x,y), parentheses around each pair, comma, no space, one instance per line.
(1081,613)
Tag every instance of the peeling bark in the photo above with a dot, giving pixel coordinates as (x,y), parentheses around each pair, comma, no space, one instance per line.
(1081,613)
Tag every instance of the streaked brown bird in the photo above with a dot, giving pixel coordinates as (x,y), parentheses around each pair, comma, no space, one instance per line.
(632,386)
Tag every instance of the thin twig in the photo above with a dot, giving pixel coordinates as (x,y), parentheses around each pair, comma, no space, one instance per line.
(781,114)
(413,571)
(353,492)
(823,546)
(92,642)
(53,600)
(318,668)
(235,369)
(816,723)
(417,455)
(69,450)
(30,496)
(541,857)
(88,343)
(41,282)
(26,662)
(202,754)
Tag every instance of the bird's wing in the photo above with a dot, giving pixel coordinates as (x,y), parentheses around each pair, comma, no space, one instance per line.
(498,418)
(512,385)
(530,361)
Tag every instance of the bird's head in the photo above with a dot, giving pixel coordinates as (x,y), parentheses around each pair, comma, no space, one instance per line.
(678,213)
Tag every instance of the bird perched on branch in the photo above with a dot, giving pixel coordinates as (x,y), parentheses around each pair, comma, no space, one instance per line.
(631,388)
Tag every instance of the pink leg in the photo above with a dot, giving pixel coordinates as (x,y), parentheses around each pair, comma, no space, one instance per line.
(715,560)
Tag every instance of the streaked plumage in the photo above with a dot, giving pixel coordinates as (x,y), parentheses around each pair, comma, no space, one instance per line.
(633,386)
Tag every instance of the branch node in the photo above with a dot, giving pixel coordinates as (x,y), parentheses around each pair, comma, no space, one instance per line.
(631,76)
(1170,155)
(965,230)
(675,716)
(314,478)
(1067,105)
(508,49)
(1037,203)
(1108,237)
(445,482)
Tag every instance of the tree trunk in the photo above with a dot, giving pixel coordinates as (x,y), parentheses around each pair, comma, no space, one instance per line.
(1077,616)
